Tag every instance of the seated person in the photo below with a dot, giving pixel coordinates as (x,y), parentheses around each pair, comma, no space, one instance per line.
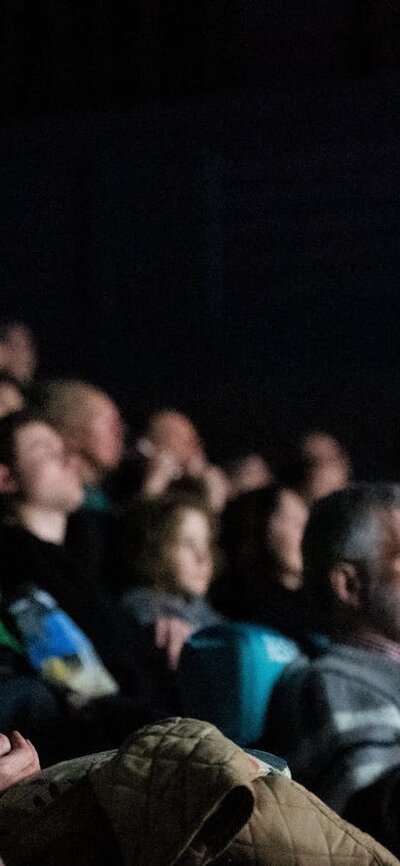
(337,719)
(41,486)
(91,426)
(172,451)
(173,565)
(261,539)
(18,353)
(320,467)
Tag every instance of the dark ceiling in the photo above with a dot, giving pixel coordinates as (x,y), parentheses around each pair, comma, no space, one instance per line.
(65,54)
(199,206)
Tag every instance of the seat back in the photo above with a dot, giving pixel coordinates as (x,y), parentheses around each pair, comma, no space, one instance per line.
(227,673)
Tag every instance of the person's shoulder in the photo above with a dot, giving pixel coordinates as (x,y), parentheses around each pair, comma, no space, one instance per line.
(341,673)
(335,661)
(206,614)
(141,592)
(141,602)
(350,661)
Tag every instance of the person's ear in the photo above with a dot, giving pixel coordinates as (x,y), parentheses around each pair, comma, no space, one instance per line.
(346,584)
(7,481)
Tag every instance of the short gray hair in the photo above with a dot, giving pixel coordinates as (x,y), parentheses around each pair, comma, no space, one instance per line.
(345,526)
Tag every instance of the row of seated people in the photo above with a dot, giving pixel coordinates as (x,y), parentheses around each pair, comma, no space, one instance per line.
(171,566)
(170,446)
(333,717)
(92,431)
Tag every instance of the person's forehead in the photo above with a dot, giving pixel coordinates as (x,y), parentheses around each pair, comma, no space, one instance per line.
(175,424)
(99,402)
(320,443)
(9,388)
(37,433)
(19,331)
(255,460)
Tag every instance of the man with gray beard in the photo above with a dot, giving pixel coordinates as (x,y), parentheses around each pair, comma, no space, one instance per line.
(336,720)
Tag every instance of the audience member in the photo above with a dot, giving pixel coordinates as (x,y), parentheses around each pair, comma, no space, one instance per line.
(172,568)
(41,485)
(320,467)
(173,432)
(337,720)
(261,539)
(172,449)
(18,355)
(91,426)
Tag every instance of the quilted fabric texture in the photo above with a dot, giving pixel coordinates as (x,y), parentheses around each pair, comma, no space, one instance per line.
(54,818)
(39,791)
(291,827)
(178,792)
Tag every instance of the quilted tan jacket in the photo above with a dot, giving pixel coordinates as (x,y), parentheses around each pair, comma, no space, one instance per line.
(177,793)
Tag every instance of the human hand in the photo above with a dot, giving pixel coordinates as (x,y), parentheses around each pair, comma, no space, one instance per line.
(170,634)
(218,488)
(162,468)
(18,759)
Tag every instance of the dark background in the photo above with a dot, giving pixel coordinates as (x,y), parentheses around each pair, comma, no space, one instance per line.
(200,207)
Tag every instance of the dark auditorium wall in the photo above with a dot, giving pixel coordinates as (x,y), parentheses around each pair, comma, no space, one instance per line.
(210,222)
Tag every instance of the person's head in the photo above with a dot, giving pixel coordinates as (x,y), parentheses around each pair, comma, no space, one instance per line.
(173,432)
(177,549)
(248,472)
(89,421)
(35,468)
(351,552)
(322,466)
(11,397)
(284,530)
(18,354)
(262,536)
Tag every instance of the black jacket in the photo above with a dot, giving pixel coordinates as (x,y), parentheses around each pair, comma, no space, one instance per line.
(126,649)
